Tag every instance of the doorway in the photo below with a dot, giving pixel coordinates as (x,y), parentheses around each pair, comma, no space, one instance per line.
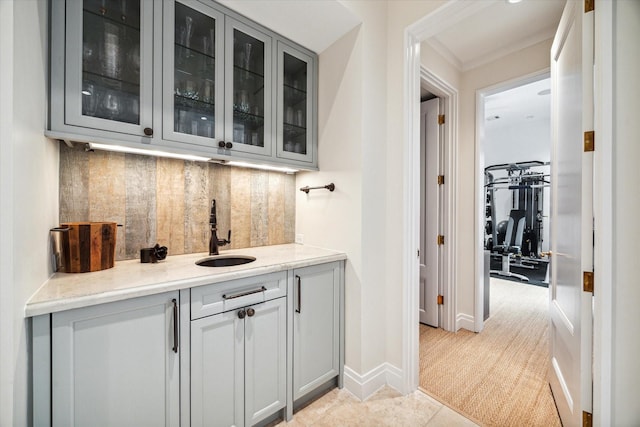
(423,29)
(513,155)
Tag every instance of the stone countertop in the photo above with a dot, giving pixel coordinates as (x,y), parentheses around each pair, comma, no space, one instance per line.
(130,279)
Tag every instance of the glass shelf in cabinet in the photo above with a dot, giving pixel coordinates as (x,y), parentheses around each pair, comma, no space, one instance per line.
(192,103)
(111,83)
(193,50)
(118,19)
(246,117)
(239,69)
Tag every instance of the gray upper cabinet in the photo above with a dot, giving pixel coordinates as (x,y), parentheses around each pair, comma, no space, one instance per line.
(295,105)
(248,90)
(183,75)
(193,74)
(108,69)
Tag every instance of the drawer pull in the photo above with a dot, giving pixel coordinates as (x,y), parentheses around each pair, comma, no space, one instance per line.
(244,294)
(175,325)
(299,309)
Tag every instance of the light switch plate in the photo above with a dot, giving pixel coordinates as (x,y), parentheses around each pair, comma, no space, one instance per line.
(300,239)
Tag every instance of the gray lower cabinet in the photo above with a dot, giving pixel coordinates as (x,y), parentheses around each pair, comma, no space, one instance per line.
(317,332)
(116,364)
(233,353)
(238,365)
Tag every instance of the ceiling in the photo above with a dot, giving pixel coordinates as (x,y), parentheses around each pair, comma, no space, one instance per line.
(314,24)
(517,106)
(497,28)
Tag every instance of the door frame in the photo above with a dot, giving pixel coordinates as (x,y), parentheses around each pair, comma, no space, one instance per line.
(603,327)
(448,161)
(481,95)
(424,28)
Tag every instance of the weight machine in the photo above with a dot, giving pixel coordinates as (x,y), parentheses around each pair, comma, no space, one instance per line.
(519,238)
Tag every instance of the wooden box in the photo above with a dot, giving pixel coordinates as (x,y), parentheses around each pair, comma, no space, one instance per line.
(89,246)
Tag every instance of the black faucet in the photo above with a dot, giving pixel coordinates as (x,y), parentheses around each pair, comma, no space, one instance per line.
(213,222)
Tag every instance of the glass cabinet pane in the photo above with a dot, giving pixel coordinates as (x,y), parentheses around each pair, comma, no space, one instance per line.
(194,72)
(111,60)
(294,132)
(248,89)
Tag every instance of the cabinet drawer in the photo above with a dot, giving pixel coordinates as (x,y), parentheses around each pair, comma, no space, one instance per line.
(220,297)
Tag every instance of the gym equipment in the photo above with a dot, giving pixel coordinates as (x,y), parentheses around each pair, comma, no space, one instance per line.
(512,244)
(517,240)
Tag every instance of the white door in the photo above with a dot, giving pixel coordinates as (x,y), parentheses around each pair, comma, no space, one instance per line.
(429,208)
(571,215)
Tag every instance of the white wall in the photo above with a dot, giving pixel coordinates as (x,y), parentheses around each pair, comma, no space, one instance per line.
(360,150)
(333,219)
(626,206)
(29,189)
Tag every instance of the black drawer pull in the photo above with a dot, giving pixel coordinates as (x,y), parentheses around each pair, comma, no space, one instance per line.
(299,309)
(243,294)
(175,325)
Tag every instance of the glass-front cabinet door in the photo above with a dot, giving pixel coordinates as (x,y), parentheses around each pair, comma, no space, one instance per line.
(248,88)
(193,73)
(108,75)
(295,107)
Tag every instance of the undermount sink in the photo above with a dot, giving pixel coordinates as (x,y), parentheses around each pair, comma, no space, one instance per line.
(225,260)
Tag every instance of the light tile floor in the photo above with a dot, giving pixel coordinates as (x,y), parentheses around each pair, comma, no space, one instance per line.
(386,407)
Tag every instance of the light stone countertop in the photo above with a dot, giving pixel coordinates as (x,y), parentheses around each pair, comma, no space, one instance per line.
(130,279)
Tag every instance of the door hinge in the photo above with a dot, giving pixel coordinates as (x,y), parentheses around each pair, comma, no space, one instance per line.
(589,141)
(440,300)
(587,419)
(587,281)
(440,119)
(440,239)
(589,5)
(440,179)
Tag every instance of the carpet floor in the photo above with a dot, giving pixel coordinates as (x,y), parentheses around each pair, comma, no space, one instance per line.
(499,376)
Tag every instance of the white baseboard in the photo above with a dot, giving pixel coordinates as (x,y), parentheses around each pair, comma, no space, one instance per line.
(465,321)
(363,386)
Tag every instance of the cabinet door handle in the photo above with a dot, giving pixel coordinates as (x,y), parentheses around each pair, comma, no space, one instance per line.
(148,131)
(175,325)
(244,294)
(298,310)
(242,314)
(250,312)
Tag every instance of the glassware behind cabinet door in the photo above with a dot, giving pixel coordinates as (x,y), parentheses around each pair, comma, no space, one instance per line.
(110,54)
(89,99)
(112,105)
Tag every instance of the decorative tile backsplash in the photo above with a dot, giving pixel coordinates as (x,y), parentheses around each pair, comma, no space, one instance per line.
(167,201)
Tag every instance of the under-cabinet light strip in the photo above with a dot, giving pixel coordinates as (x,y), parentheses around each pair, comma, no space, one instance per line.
(144,152)
(259,166)
(158,153)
